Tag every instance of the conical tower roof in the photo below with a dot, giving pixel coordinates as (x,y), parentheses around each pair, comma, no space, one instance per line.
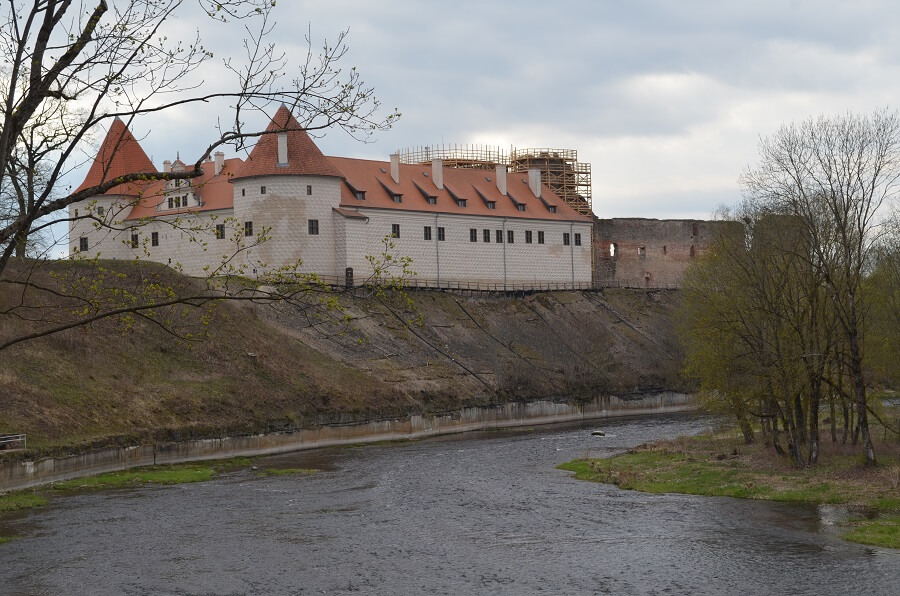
(120,154)
(304,158)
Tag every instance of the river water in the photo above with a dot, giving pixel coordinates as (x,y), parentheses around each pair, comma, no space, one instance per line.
(482,513)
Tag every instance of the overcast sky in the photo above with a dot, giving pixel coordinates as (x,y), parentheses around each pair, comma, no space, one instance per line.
(665,99)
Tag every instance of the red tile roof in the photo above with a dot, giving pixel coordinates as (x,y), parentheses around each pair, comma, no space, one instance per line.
(120,154)
(214,192)
(476,187)
(304,158)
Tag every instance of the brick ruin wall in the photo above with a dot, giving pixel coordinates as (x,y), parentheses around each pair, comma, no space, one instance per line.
(648,253)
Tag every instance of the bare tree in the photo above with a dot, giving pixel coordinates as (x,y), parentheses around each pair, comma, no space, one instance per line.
(68,71)
(834,175)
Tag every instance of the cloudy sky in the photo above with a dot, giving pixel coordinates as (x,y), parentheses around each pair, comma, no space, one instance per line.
(665,99)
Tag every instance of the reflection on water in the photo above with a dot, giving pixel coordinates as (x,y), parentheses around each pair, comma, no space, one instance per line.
(483,513)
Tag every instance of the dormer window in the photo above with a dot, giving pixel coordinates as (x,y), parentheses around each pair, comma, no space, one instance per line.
(431,200)
(520,206)
(460,202)
(492,204)
(551,208)
(396,198)
(360,195)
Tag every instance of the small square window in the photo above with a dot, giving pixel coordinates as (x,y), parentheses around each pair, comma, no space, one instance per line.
(509,236)
(566,239)
(134,241)
(427,232)
(313,227)
(487,235)
(499,236)
(248,228)
(395,230)
(473,235)
(577,239)
(491,205)
(461,202)
(220,231)
(540,237)
(309,189)
(360,195)
(397,198)
(154,239)
(262,190)
(520,206)
(82,244)
(432,200)
(551,208)
(527,236)
(441,236)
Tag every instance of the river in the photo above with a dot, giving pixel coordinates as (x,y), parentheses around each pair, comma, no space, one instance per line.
(481,513)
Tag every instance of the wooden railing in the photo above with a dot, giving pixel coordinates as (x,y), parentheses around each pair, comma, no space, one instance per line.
(13,442)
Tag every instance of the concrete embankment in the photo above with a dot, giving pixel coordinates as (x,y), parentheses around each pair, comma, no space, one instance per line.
(16,475)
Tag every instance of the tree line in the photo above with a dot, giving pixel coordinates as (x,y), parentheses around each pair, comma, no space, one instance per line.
(793,315)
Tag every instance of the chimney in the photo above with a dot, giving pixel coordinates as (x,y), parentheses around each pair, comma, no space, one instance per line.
(282,149)
(167,166)
(395,167)
(437,173)
(220,161)
(501,179)
(534,182)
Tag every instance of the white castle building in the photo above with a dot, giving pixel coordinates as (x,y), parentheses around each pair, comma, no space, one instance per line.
(459,226)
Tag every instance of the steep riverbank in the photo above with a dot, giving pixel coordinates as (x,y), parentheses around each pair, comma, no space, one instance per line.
(263,370)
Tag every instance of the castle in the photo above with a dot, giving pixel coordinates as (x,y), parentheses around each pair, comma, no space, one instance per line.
(471,228)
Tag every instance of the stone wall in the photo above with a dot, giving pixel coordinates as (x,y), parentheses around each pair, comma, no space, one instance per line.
(652,253)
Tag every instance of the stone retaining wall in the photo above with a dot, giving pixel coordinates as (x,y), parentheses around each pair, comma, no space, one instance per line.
(15,475)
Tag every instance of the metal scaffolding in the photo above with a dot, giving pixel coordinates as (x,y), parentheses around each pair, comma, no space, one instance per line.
(560,168)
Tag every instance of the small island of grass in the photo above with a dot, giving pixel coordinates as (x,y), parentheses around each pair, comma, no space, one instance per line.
(721,465)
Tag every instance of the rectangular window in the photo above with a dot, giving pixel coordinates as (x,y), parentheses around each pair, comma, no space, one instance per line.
(314,227)
(540,237)
(134,241)
(248,228)
(243,192)
(577,239)
(521,206)
(551,208)
(220,231)
(171,202)
(82,244)
(432,200)
(427,232)
(473,235)
(397,198)
(309,189)
(487,235)
(499,236)
(395,230)
(441,235)
(100,210)
(642,252)
(360,195)
(527,236)
(154,239)
(491,205)
(460,202)
(509,236)
(566,240)
(262,190)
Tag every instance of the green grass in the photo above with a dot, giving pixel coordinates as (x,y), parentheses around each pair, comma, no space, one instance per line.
(5,539)
(20,500)
(286,471)
(719,465)
(884,531)
(177,474)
